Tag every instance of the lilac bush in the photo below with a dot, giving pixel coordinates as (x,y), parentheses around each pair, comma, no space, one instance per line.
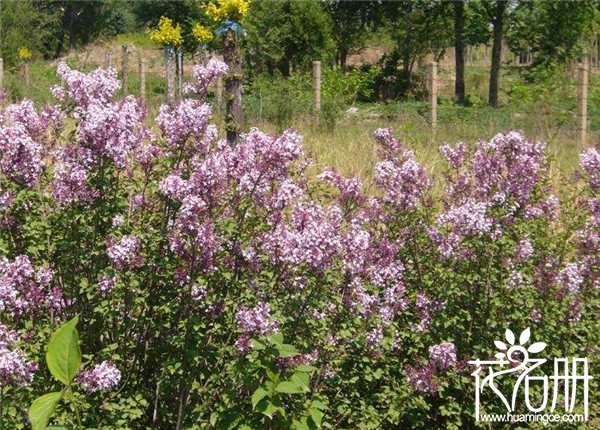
(189,260)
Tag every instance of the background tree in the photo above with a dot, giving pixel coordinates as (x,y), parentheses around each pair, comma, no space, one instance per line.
(352,23)
(286,33)
(459,50)
(418,28)
(554,32)
(497,12)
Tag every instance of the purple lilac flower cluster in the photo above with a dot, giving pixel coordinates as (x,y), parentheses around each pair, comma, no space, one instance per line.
(124,253)
(204,75)
(423,378)
(22,289)
(401,178)
(102,377)
(14,367)
(254,321)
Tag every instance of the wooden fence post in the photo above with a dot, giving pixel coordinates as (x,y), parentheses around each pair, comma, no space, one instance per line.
(234,112)
(219,95)
(142,77)
(125,68)
(109,58)
(316,87)
(170,60)
(179,73)
(433,83)
(583,97)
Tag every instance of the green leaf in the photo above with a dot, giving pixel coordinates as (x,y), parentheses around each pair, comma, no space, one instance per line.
(64,356)
(306,368)
(290,387)
(302,379)
(316,415)
(258,395)
(56,428)
(267,408)
(42,408)
(286,350)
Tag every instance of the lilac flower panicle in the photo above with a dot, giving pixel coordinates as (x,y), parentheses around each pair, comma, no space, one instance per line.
(589,161)
(124,253)
(106,284)
(524,250)
(443,355)
(422,379)
(570,278)
(204,75)
(102,377)
(454,156)
(256,320)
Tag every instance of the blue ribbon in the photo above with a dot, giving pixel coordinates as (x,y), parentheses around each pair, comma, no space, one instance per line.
(225,26)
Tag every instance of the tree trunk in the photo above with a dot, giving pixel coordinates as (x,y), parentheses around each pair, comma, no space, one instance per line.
(344,59)
(233,87)
(498,31)
(72,19)
(459,51)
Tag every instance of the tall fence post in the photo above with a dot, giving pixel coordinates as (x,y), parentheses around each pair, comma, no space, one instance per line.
(125,68)
(142,77)
(179,73)
(109,58)
(169,54)
(316,86)
(219,95)
(583,97)
(1,72)
(433,93)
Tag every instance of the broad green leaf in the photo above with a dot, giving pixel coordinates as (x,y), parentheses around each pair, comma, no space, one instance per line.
(258,395)
(306,368)
(302,379)
(267,408)
(316,415)
(286,350)
(42,408)
(290,387)
(56,428)
(64,356)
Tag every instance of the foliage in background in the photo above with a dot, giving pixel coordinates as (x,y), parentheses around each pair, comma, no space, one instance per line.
(554,32)
(286,35)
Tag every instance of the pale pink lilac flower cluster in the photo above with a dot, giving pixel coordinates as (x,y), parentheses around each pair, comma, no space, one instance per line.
(102,377)
(590,163)
(95,88)
(23,289)
(254,321)
(524,250)
(204,74)
(21,156)
(188,119)
(124,252)
(106,284)
(422,378)
(14,367)
(443,355)
(401,178)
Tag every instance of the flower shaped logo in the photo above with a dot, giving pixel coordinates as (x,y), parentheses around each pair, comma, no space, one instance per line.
(513,347)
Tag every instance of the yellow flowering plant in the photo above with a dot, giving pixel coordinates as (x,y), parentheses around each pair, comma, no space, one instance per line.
(228,10)
(201,33)
(25,54)
(167,33)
